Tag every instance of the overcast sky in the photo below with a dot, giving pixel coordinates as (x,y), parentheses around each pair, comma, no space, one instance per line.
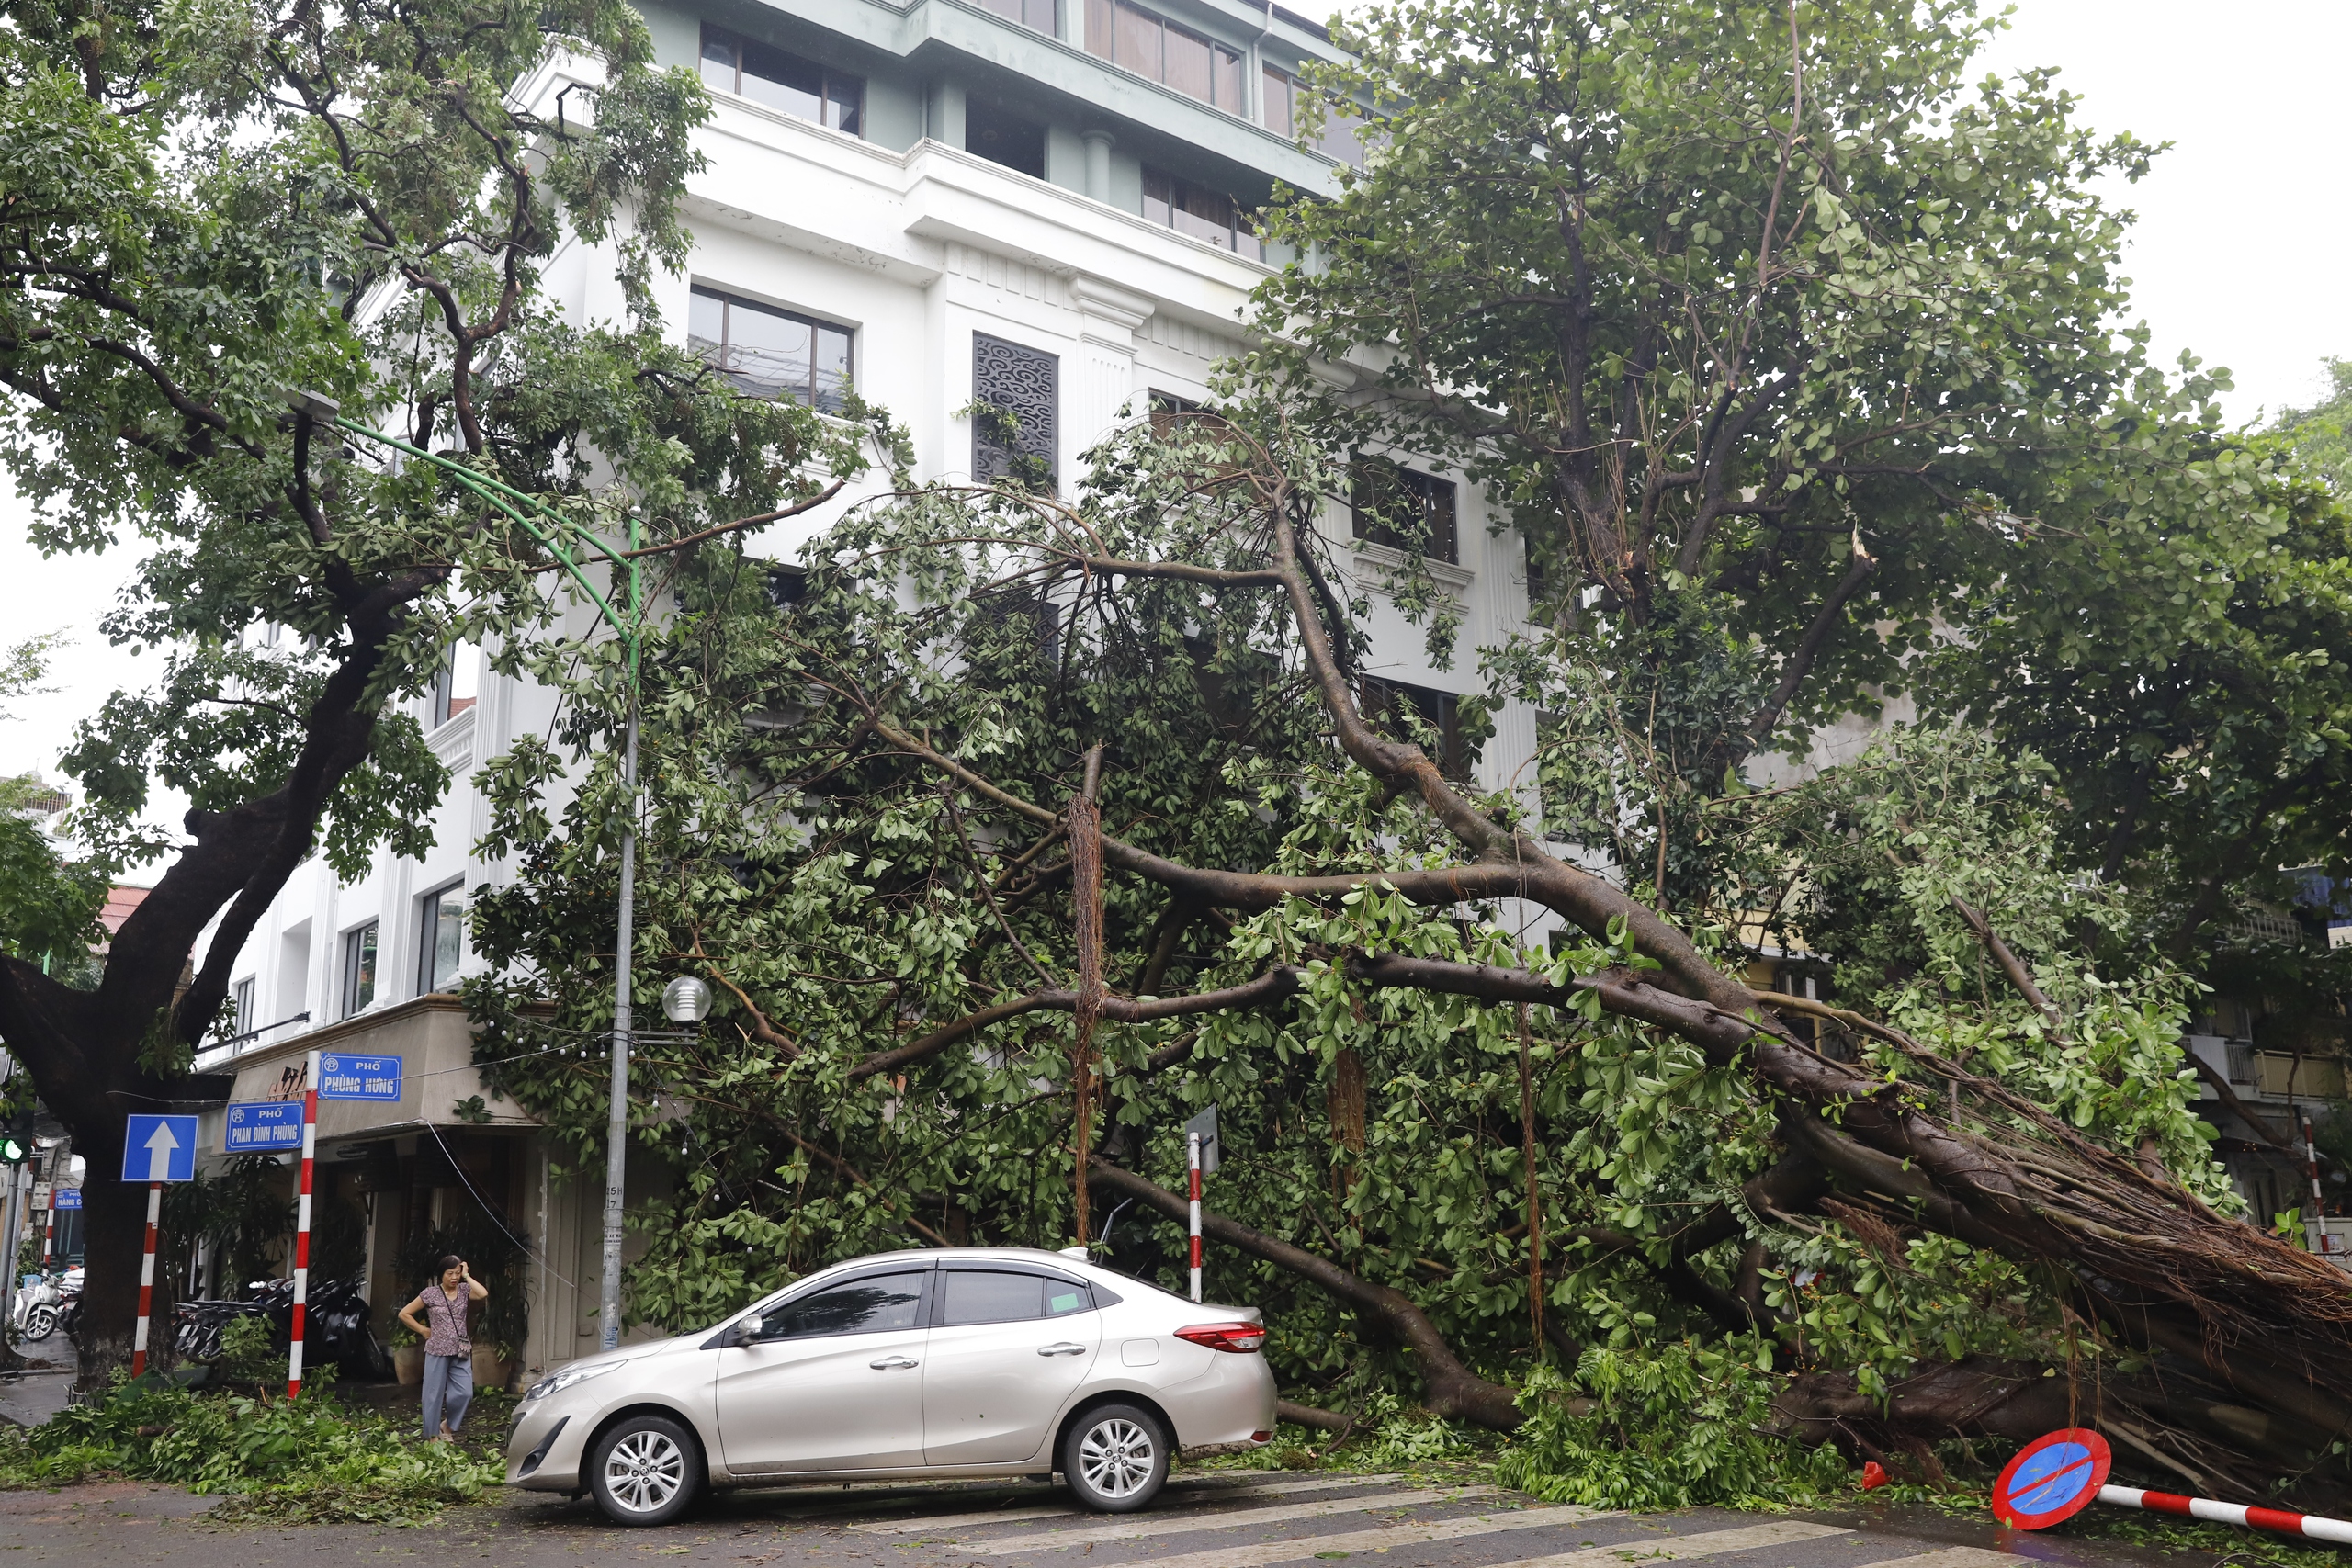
(2238,254)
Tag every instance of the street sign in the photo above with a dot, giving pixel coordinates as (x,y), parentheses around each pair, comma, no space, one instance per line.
(255,1126)
(65,1197)
(160,1148)
(358,1077)
(2053,1478)
(1205,1125)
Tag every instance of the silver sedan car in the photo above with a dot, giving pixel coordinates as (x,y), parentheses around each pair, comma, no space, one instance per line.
(956,1363)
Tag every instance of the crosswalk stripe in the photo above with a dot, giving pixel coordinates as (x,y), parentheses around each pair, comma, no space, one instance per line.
(1674,1548)
(1257,1554)
(1197,1491)
(1952,1557)
(1137,1527)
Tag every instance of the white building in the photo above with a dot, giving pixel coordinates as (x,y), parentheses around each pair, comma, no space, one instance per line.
(1035,204)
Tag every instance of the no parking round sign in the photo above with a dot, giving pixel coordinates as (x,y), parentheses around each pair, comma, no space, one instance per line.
(2052,1478)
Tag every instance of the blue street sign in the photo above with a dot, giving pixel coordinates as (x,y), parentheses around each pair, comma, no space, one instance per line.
(256,1126)
(160,1148)
(358,1077)
(65,1197)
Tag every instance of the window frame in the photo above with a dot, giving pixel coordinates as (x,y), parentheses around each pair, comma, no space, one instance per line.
(1378,698)
(850,122)
(992,459)
(729,302)
(364,941)
(241,998)
(1242,235)
(1225,61)
(428,906)
(1051,26)
(1439,544)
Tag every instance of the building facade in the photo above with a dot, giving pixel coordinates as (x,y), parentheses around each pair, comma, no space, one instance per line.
(1037,203)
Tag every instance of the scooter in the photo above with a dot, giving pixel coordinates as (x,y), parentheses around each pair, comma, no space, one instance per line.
(43,1302)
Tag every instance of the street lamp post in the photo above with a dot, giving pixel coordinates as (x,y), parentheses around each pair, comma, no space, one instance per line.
(550,528)
(609,1300)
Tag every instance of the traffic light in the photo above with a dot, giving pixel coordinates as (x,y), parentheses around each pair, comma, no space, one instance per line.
(17,1138)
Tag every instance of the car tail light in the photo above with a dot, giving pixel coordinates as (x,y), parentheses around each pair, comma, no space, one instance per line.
(1238,1338)
(1254,1436)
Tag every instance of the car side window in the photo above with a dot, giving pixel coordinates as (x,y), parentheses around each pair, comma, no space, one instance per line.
(1062,1298)
(974,1295)
(872,1305)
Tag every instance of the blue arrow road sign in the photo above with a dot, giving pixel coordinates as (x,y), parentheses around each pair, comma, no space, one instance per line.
(358,1077)
(160,1148)
(65,1197)
(255,1125)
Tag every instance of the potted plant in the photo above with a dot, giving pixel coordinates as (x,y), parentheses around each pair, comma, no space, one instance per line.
(494,1367)
(408,1357)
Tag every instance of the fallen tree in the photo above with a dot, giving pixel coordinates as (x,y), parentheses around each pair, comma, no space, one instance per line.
(1965,1164)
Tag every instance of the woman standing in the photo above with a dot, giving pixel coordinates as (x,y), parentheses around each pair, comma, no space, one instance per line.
(448,1349)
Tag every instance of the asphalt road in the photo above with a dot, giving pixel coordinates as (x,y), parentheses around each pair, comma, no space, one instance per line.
(1220,1520)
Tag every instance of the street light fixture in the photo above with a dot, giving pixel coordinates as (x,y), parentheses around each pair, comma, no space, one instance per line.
(546,524)
(686,1000)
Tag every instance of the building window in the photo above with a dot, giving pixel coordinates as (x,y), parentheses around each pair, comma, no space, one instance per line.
(1134,39)
(453,687)
(1398,711)
(242,1023)
(1403,510)
(1279,91)
(1341,134)
(1171,416)
(1199,211)
(771,353)
(1037,14)
(1005,138)
(358,968)
(1011,379)
(788,585)
(801,88)
(441,940)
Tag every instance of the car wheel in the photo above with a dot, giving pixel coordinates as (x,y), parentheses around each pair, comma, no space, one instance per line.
(646,1471)
(1116,1458)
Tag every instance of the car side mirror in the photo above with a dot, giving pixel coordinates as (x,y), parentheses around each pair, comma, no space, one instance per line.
(748,1332)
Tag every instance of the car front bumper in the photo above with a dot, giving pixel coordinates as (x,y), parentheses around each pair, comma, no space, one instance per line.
(546,1451)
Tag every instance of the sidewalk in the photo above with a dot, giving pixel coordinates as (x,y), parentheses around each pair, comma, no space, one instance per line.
(34,1397)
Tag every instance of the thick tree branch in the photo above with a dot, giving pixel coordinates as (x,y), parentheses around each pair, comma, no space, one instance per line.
(1807,651)
(1274,985)
(1452,1389)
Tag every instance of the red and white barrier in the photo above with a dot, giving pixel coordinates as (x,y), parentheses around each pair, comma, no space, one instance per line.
(147,1279)
(1193,1166)
(2310,1525)
(302,1229)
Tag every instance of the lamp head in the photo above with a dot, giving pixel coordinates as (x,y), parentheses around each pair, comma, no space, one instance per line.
(686,1000)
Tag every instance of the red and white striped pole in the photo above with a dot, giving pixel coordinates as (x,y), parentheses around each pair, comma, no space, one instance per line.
(1192,1168)
(146,1281)
(302,1228)
(2321,1240)
(2310,1525)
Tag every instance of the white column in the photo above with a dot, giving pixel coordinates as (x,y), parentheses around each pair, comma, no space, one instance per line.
(1098,165)
(1105,377)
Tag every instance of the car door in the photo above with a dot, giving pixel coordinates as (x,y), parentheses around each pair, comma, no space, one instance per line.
(833,1380)
(1007,1350)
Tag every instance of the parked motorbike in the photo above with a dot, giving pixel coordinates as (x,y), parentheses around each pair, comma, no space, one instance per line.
(42,1304)
(335,1327)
